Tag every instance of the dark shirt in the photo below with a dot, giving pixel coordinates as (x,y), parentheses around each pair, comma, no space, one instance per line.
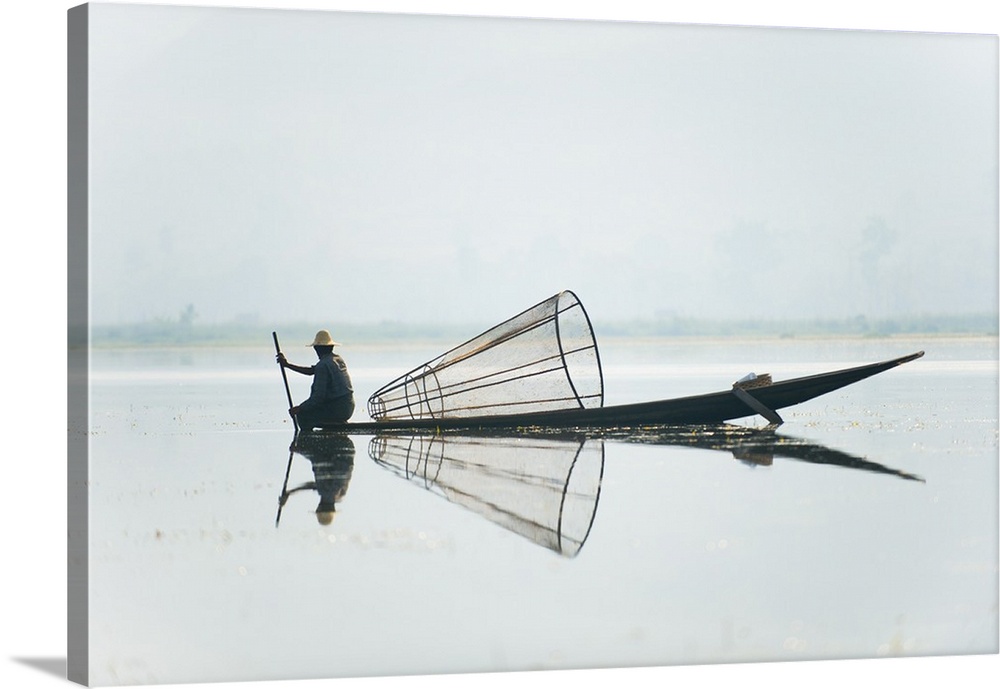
(330,380)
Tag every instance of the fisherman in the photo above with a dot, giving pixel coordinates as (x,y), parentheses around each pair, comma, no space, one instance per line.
(332,396)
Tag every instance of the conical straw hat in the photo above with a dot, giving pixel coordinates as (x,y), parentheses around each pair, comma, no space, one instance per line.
(323,338)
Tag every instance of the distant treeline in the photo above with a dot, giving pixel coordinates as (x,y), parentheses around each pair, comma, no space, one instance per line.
(978,324)
(235,334)
(176,333)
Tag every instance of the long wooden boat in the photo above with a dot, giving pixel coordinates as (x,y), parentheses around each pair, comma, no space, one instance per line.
(738,402)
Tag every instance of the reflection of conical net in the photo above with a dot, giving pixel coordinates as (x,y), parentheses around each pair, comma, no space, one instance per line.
(544,490)
(543,359)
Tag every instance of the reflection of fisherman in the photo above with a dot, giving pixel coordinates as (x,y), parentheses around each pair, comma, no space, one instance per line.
(332,460)
(332,396)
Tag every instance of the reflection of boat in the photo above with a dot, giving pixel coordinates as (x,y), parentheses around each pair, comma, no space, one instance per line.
(757,446)
(545,484)
(544,489)
(542,368)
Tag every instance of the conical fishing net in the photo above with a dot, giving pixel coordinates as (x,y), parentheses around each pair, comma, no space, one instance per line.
(545,490)
(543,359)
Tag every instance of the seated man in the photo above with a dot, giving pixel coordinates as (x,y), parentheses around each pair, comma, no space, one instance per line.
(332,396)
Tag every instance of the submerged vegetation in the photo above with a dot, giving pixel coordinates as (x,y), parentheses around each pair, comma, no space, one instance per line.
(187,332)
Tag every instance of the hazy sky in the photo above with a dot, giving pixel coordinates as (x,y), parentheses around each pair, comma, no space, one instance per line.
(334,167)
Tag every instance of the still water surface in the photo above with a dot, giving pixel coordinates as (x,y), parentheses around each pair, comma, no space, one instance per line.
(866,527)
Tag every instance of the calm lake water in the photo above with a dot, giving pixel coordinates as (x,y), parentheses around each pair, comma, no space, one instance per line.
(866,527)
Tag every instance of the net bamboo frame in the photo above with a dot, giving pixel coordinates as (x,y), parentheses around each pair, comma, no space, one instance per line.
(543,359)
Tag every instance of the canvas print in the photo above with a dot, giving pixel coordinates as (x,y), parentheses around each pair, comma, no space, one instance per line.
(412,344)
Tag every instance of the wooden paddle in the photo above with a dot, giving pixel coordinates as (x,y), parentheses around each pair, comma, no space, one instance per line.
(284,377)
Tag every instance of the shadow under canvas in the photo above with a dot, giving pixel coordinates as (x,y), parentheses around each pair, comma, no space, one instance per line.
(52,666)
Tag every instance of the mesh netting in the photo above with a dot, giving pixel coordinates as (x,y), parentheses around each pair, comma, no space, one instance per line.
(543,359)
(544,490)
